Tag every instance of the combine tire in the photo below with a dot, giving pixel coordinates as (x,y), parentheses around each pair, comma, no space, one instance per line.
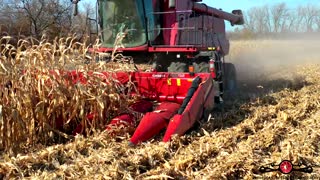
(177,67)
(202,67)
(230,78)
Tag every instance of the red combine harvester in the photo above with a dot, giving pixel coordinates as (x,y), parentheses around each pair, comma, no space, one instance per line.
(186,42)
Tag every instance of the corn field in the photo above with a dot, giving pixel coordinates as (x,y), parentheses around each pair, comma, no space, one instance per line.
(39,99)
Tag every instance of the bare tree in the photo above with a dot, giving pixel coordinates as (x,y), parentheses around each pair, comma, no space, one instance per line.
(278,15)
(308,16)
(318,21)
(43,14)
(250,20)
(81,24)
(279,18)
(257,19)
(291,21)
(18,23)
(44,17)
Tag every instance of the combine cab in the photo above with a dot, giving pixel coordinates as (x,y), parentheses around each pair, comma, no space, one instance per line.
(186,42)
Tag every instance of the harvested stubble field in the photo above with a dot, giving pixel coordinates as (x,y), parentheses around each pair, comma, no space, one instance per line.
(275,116)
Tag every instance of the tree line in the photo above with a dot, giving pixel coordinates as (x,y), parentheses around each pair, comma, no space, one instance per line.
(53,18)
(37,18)
(278,20)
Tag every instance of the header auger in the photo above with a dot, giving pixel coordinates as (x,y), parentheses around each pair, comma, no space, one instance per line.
(186,42)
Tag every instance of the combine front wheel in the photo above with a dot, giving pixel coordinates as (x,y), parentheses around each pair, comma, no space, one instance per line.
(202,67)
(177,67)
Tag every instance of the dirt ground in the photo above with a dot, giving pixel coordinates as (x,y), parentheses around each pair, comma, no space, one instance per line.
(274,116)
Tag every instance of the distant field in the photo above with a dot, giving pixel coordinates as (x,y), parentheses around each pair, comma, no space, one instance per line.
(274,117)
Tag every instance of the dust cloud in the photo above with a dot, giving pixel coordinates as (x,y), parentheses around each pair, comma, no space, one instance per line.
(265,66)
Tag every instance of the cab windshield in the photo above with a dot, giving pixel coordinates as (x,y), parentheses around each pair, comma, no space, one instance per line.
(122,16)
